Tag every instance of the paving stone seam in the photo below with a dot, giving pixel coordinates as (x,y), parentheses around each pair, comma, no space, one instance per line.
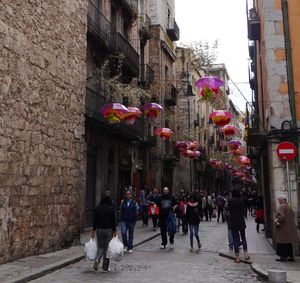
(61,264)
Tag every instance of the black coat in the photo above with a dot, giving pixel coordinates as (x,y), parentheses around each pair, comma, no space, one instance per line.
(193,214)
(104,217)
(236,219)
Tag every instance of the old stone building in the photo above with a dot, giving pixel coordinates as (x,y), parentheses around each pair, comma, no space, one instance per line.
(42,88)
(192,119)
(273,116)
(162,57)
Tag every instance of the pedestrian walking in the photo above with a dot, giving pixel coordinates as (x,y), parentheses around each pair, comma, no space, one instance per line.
(220,205)
(259,213)
(144,201)
(128,213)
(207,206)
(193,219)
(286,231)
(182,206)
(226,216)
(236,223)
(104,228)
(153,207)
(166,204)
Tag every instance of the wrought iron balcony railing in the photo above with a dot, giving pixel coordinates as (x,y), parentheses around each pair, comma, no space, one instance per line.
(94,100)
(120,44)
(173,30)
(98,24)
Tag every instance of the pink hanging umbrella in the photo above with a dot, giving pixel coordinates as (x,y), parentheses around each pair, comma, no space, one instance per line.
(114,112)
(164,133)
(182,146)
(210,82)
(221,117)
(234,144)
(152,110)
(132,115)
(244,160)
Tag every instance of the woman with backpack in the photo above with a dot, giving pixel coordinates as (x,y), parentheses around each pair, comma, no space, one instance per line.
(193,219)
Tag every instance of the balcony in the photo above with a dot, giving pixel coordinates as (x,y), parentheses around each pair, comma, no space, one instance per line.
(120,44)
(171,97)
(94,100)
(131,5)
(144,27)
(98,25)
(253,25)
(252,82)
(173,30)
(146,76)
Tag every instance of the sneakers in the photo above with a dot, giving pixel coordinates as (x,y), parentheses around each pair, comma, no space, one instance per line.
(171,246)
(125,249)
(130,251)
(199,245)
(191,249)
(105,270)
(154,229)
(162,247)
(96,265)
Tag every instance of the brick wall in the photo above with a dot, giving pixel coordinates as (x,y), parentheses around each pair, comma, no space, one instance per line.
(42,82)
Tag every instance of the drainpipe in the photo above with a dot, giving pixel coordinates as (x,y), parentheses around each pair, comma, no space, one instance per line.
(291,90)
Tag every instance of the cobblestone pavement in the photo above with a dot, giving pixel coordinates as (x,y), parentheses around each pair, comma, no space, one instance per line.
(150,264)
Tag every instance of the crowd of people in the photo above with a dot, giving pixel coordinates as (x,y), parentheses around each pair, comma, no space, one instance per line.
(185,211)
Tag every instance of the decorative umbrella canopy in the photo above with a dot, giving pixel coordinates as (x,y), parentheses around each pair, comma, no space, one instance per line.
(209,88)
(238,151)
(234,144)
(229,130)
(192,145)
(212,162)
(182,146)
(221,117)
(209,82)
(132,114)
(244,160)
(152,110)
(193,154)
(164,133)
(114,112)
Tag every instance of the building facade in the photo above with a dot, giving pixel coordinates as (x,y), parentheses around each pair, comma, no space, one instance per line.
(42,150)
(273,116)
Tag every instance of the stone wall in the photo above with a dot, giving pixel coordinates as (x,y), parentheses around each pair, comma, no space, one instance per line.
(42,87)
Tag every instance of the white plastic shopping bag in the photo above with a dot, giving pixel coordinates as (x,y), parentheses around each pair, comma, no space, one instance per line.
(115,249)
(90,249)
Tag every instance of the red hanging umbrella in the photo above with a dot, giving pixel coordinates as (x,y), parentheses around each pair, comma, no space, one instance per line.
(132,115)
(114,112)
(221,117)
(192,145)
(229,130)
(164,133)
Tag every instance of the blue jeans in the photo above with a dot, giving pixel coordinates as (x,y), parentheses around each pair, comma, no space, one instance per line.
(237,237)
(127,228)
(194,231)
(230,239)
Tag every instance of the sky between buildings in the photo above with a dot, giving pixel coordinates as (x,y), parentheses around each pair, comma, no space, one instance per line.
(224,20)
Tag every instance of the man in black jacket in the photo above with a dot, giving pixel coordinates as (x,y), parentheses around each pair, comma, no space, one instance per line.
(166,203)
(104,225)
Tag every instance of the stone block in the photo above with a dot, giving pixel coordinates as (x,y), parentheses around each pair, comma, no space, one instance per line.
(277,276)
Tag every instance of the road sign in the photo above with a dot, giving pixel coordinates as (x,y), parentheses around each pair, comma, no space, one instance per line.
(286,151)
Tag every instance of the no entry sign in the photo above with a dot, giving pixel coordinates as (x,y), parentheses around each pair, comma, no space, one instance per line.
(286,151)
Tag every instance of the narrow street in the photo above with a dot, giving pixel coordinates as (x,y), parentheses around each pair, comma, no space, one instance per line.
(150,264)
